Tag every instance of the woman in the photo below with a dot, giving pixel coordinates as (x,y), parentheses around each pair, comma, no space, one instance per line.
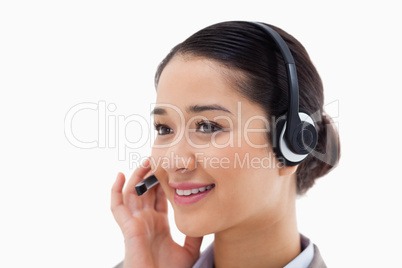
(221,96)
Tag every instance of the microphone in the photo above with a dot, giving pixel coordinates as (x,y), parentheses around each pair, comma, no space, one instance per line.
(146,184)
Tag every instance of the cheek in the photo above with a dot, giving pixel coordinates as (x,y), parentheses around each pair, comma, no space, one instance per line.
(256,140)
(157,156)
(157,162)
(251,155)
(246,176)
(240,173)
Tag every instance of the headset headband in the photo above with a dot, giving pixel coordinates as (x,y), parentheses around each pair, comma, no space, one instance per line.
(300,135)
(293,118)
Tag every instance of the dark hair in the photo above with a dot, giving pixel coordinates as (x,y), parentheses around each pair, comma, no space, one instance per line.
(260,75)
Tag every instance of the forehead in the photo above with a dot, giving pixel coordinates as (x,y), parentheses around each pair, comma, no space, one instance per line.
(187,79)
(186,83)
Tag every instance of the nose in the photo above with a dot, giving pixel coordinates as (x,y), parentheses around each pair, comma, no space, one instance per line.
(180,158)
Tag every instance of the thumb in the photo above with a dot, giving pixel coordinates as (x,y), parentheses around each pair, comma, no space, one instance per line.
(192,245)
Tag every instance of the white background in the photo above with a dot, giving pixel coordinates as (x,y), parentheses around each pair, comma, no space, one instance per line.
(54,196)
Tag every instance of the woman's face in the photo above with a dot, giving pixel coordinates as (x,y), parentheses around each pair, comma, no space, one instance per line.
(211,154)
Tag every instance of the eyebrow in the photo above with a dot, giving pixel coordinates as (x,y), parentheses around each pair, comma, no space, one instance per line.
(201,108)
(194,109)
(159,111)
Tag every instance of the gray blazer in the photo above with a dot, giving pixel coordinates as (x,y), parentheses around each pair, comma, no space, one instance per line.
(317,261)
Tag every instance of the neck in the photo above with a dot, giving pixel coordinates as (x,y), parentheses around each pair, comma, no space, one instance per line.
(262,241)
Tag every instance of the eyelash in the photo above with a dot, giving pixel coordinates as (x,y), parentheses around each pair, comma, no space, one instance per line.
(208,123)
(211,127)
(159,127)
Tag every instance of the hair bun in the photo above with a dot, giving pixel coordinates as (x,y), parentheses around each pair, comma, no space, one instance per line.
(323,158)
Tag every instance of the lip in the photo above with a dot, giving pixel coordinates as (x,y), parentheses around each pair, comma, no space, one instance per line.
(190,199)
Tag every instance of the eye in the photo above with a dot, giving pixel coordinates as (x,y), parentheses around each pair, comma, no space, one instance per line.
(163,129)
(207,127)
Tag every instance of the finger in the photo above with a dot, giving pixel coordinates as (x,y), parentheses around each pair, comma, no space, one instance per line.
(138,175)
(116,194)
(192,245)
(148,199)
(131,199)
(161,200)
(119,210)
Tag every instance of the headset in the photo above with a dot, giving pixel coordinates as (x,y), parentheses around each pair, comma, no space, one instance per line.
(294,136)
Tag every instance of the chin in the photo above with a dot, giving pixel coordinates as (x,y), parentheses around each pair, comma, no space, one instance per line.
(192,227)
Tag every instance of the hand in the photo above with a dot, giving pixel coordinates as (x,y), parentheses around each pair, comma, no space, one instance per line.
(144,223)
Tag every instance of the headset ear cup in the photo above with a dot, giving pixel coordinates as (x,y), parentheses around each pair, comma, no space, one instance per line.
(276,139)
(304,138)
(304,134)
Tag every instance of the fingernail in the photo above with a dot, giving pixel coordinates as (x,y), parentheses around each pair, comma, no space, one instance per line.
(145,164)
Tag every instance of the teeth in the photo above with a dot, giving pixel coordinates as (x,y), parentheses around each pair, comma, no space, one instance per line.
(193,191)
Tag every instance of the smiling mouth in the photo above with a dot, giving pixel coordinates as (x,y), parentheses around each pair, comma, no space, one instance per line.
(194,191)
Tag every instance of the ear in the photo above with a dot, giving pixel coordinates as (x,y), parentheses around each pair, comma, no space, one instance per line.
(287,170)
